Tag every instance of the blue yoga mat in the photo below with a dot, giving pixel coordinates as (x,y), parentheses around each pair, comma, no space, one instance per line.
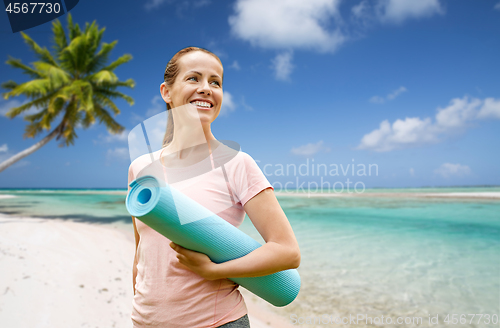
(158,206)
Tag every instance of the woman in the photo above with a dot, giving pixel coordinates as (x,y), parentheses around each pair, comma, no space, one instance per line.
(177,287)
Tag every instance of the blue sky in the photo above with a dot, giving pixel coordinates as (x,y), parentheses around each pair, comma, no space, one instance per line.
(409,86)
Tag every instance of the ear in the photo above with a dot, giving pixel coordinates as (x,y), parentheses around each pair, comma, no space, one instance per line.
(165,93)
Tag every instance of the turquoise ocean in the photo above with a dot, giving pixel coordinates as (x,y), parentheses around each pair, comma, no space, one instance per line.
(408,257)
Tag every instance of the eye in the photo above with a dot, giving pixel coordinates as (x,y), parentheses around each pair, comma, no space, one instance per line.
(192,77)
(216,83)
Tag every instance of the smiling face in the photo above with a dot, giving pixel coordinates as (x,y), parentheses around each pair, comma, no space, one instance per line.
(199,82)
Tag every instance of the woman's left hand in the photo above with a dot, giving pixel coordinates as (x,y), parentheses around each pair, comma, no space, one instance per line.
(195,261)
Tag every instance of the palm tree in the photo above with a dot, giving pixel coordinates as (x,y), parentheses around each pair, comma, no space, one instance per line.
(75,83)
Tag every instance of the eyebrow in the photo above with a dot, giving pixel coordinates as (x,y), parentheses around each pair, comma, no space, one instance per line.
(202,74)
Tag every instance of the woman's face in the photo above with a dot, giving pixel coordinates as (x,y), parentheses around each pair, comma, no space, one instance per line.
(199,82)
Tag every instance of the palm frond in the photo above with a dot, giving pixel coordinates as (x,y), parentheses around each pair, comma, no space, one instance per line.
(32,129)
(87,120)
(55,74)
(60,41)
(128,83)
(104,117)
(15,111)
(37,116)
(41,53)
(17,63)
(106,102)
(74,29)
(103,77)
(122,60)
(56,103)
(93,38)
(101,57)
(115,94)
(76,50)
(30,89)
(9,85)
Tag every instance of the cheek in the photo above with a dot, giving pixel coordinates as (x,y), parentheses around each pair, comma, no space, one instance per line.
(219,97)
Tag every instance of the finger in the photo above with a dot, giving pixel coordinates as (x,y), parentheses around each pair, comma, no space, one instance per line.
(176,247)
(181,258)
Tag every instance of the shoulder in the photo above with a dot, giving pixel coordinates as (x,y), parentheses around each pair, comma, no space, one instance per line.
(236,160)
(142,162)
(245,177)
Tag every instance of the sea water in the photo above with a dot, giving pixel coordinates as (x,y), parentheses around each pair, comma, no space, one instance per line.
(369,257)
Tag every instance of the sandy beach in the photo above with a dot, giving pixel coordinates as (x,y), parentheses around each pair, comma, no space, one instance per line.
(59,273)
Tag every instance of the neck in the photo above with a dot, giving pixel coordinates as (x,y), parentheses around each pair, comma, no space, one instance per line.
(189,133)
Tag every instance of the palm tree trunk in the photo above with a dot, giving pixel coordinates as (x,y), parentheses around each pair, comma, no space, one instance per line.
(32,149)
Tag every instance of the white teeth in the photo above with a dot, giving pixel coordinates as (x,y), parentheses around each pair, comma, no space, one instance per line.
(202,104)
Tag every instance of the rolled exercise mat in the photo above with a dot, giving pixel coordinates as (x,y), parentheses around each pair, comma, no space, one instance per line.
(159,207)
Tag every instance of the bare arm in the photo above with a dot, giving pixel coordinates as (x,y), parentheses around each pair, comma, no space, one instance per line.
(134,268)
(136,235)
(280,252)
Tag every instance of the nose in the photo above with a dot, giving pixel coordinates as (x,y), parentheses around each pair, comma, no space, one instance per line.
(204,88)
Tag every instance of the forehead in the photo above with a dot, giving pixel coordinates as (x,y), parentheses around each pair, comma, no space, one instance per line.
(201,62)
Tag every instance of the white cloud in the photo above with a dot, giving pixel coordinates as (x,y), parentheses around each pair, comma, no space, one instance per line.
(4,148)
(310,149)
(120,137)
(360,10)
(5,106)
(497,6)
(402,134)
(117,154)
(397,11)
(228,105)
(216,49)
(377,100)
(244,104)
(282,66)
(390,96)
(412,171)
(396,93)
(447,170)
(158,106)
(235,65)
(287,24)
(458,113)
(490,109)
(152,4)
(414,131)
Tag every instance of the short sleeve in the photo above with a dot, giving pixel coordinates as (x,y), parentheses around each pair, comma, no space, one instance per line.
(130,176)
(247,178)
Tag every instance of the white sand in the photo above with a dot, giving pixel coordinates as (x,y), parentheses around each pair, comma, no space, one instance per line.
(59,274)
(7,196)
(483,194)
(64,274)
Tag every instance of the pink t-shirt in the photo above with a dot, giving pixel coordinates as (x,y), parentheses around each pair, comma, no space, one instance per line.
(166,293)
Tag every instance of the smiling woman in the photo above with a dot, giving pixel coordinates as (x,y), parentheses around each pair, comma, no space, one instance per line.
(192,60)
(177,287)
